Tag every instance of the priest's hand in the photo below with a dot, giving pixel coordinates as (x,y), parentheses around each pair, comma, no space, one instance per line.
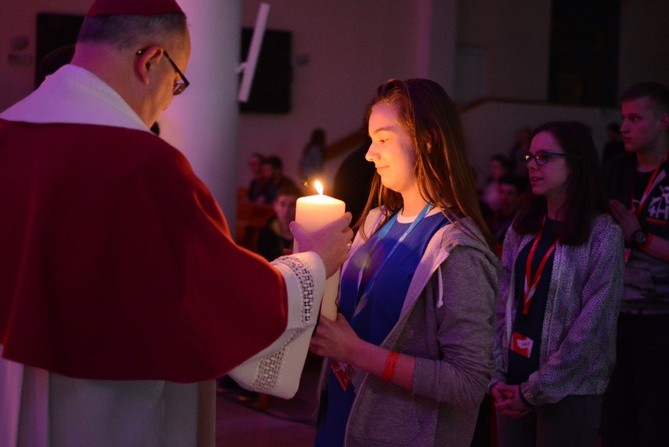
(331,242)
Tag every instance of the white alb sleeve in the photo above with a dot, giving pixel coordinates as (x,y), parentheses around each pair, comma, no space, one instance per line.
(276,370)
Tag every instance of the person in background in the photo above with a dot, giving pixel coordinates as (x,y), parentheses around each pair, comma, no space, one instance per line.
(521,144)
(52,62)
(353,181)
(560,293)
(408,358)
(614,143)
(275,239)
(313,158)
(636,404)
(272,168)
(258,184)
(510,191)
(499,166)
(122,294)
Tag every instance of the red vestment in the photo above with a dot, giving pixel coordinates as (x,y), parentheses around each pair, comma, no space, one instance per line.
(117,263)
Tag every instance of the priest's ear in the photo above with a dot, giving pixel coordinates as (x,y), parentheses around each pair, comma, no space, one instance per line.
(146,60)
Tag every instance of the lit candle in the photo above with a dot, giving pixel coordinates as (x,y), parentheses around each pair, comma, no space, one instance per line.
(313,213)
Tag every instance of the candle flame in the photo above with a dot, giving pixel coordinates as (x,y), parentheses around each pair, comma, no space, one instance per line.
(319,187)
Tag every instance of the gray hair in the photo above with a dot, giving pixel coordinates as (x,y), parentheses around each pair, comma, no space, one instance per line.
(127,31)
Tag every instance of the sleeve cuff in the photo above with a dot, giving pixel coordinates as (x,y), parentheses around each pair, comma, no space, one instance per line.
(304,274)
(523,399)
(277,369)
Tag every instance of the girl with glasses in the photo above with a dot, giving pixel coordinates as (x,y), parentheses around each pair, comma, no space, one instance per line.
(560,293)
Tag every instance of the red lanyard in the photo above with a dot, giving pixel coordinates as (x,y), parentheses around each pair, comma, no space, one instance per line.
(531,282)
(646,192)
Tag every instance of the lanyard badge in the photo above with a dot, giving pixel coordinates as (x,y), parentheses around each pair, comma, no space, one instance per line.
(343,373)
(521,344)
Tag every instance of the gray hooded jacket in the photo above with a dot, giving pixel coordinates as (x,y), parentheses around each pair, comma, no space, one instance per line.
(447,323)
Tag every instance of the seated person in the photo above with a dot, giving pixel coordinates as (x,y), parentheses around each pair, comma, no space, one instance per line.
(500,165)
(275,237)
(272,169)
(258,184)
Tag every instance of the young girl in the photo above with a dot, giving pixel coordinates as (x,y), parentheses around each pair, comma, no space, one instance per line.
(559,298)
(408,359)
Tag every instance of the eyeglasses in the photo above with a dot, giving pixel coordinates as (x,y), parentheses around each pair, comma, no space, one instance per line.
(179,86)
(543,157)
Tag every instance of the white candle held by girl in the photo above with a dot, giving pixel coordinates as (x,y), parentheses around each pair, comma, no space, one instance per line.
(314,212)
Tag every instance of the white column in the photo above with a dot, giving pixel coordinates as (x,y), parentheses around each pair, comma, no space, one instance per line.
(436,41)
(203,121)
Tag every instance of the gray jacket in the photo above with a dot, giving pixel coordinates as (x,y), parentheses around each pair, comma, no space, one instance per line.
(578,342)
(447,323)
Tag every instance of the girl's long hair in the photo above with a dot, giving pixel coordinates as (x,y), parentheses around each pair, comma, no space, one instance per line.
(445,177)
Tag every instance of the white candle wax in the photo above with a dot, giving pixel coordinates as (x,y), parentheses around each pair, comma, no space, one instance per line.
(313,213)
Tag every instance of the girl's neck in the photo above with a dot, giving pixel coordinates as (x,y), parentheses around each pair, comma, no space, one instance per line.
(555,208)
(413,203)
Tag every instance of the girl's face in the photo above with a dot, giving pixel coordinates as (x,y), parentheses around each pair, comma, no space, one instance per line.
(550,179)
(392,150)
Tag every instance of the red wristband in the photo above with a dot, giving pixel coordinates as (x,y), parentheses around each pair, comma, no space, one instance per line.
(389,370)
